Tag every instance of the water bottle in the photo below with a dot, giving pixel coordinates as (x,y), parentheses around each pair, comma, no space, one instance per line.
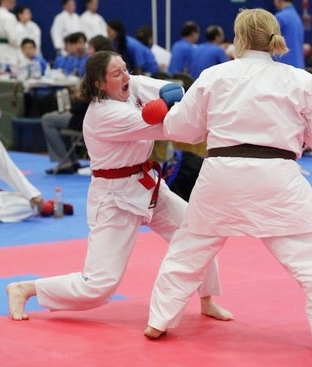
(35,70)
(58,207)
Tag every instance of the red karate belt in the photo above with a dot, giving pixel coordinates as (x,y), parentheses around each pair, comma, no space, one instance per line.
(147,181)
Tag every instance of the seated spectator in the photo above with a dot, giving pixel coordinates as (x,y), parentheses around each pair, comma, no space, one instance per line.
(182,50)
(98,43)
(139,58)
(26,28)
(25,201)
(54,122)
(64,23)
(93,24)
(208,53)
(73,63)
(34,63)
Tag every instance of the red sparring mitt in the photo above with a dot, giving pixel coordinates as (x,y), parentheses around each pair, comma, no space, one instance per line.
(48,209)
(155,111)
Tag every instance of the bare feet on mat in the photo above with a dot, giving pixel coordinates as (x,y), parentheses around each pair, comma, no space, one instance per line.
(18,294)
(211,309)
(153,333)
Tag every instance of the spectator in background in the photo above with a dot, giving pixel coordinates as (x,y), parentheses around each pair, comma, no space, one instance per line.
(208,53)
(182,50)
(99,43)
(293,31)
(139,58)
(64,23)
(145,35)
(26,28)
(9,41)
(73,63)
(93,24)
(34,62)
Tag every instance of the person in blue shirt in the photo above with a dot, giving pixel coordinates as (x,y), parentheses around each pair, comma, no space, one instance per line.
(139,58)
(34,62)
(293,31)
(208,53)
(182,50)
(73,63)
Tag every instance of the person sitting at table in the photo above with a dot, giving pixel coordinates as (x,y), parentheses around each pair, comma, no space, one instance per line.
(34,63)
(73,63)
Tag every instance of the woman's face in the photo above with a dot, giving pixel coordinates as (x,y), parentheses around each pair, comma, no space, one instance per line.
(116,83)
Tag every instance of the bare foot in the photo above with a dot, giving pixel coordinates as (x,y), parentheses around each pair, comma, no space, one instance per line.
(153,333)
(211,309)
(18,294)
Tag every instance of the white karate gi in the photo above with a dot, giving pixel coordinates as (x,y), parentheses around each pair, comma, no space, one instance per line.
(64,24)
(9,41)
(116,136)
(93,24)
(29,30)
(248,100)
(15,205)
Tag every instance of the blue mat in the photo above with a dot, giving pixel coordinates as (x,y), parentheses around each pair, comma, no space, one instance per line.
(74,187)
(49,229)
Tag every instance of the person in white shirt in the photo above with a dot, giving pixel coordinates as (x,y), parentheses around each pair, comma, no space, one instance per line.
(254,114)
(25,200)
(9,41)
(93,24)
(65,23)
(26,28)
(122,194)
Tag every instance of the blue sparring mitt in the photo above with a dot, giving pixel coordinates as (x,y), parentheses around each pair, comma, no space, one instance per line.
(171,93)
(155,111)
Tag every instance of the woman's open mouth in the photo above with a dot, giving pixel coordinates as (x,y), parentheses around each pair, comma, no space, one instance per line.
(125,87)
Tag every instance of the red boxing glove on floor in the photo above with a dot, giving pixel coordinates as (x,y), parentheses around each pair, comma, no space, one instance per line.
(155,111)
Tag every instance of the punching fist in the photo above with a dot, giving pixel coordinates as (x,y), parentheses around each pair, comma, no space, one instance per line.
(155,111)
(171,93)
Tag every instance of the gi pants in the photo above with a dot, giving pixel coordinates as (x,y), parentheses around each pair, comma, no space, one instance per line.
(188,256)
(113,234)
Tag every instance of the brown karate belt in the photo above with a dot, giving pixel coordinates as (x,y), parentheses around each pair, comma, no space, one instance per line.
(251,151)
(147,181)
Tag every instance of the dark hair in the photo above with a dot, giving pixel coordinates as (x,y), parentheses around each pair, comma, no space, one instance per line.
(75,37)
(95,73)
(119,28)
(25,41)
(144,34)
(19,9)
(65,2)
(212,32)
(101,43)
(188,28)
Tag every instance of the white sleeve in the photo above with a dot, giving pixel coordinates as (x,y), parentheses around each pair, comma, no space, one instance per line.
(146,88)
(121,121)
(186,121)
(14,177)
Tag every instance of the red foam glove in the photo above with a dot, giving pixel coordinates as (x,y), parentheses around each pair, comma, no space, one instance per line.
(155,111)
(48,208)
